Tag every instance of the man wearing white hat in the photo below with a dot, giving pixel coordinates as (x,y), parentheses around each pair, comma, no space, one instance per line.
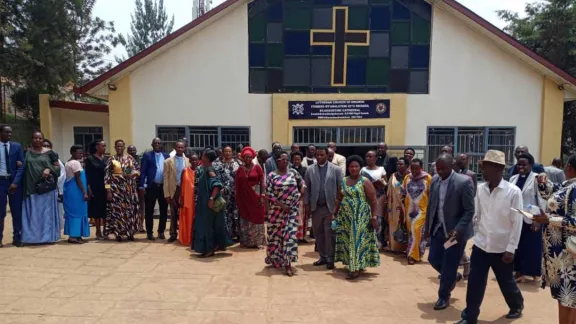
(497,231)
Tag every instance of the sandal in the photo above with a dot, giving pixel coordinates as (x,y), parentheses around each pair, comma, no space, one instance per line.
(411,261)
(352,275)
(74,241)
(289,272)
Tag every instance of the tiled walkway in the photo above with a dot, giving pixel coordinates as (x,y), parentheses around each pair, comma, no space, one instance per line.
(142,282)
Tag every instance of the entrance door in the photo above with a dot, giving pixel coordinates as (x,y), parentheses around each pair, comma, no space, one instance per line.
(349,140)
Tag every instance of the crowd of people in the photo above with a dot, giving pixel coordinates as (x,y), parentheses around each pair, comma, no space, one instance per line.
(521,220)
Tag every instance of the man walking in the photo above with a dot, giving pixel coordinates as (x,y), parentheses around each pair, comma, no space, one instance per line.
(173,168)
(497,231)
(536,168)
(323,181)
(11,169)
(448,221)
(151,181)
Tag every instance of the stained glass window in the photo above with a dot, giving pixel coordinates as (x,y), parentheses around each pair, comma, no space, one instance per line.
(390,51)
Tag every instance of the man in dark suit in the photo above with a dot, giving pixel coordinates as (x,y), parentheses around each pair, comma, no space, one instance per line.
(151,181)
(11,169)
(385,160)
(448,219)
(536,168)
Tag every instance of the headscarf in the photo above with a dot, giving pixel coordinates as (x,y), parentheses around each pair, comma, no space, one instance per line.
(248,149)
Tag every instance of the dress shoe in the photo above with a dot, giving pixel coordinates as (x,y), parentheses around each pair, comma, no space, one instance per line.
(17,243)
(161,236)
(150,238)
(330,266)
(441,304)
(514,314)
(172,239)
(463,321)
(1,245)
(319,263)
(131,238)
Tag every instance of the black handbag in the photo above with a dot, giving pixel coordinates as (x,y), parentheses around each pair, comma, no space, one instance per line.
(401,234)
(46,185)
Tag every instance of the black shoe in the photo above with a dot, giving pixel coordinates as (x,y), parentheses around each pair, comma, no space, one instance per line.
(1,245)
(161,236)
(17,243)
(131,238)
(463,321)
(330,266)
(514,314)
(319,263)
(441,304)
(150,237)
(172,239)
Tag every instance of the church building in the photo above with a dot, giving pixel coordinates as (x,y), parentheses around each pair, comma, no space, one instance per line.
(419,73)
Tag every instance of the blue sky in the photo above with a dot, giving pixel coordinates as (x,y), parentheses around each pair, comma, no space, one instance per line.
(119,12)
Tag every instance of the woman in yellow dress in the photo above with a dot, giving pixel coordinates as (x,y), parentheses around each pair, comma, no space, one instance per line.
(395,204)
(417,190)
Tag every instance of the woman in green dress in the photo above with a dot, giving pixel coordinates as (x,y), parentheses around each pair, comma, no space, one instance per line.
(356,221)
(210,233)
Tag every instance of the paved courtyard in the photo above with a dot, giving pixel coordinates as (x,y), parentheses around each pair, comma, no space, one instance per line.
(142,282)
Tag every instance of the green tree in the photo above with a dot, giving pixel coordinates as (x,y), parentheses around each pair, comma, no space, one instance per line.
(549,29)
(149,25)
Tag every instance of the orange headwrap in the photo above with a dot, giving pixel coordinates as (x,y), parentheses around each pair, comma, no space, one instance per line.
(248,149)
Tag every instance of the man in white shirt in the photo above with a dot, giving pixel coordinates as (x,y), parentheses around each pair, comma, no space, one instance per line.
(339,160)
(497,231)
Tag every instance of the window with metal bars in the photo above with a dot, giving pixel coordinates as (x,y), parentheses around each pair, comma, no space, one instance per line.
(474,141)
(199,136)
(85,135)
(342,136)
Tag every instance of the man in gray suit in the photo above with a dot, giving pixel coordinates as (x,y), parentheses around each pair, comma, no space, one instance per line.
(555,172)
(323,181)
(448,218)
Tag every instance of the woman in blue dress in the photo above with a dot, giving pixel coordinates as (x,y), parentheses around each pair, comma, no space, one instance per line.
(40,214)
(210,234)
(76,198)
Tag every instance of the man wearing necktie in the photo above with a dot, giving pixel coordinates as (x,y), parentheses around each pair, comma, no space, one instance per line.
(151,181)
(11,169)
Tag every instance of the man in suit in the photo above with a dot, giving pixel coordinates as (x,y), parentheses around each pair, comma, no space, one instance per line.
(537,168)
(339,160)
(385,160)
(173,168)
(270,164)
(461,166)
(448,219)
(11,170)
(555,172)
(151,181)
(323,181)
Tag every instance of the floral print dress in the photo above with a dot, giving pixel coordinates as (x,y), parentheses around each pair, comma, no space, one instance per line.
(282,227)
(226,171)
(559,265)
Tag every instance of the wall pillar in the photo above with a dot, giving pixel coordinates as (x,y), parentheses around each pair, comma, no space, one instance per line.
(120,113)
(45,116)
(552,115)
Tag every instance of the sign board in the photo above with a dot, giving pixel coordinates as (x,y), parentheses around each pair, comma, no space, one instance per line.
(339,109)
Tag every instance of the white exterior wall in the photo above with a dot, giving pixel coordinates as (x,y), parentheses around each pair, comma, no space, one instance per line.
(202,81)
(475,83)
(63,123)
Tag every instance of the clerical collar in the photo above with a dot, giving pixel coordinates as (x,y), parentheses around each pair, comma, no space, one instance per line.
(322,165)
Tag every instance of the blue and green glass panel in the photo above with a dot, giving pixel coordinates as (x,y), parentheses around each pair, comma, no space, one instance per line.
(284,58)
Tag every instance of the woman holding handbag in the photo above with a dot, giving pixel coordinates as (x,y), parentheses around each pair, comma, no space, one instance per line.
(210,234)
(559,222)
(40,214)
(398,236)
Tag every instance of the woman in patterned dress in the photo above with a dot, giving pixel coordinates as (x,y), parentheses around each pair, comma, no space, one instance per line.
(357,221)
(250,187)
(395,206)
(283,192)
(417,188)
(226,167)
(120,183)
(559,265)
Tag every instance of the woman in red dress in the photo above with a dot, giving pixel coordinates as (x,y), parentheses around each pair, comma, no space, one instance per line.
(250,188)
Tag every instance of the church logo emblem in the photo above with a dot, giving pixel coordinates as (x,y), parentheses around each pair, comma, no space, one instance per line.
(298,109)
(381,108)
